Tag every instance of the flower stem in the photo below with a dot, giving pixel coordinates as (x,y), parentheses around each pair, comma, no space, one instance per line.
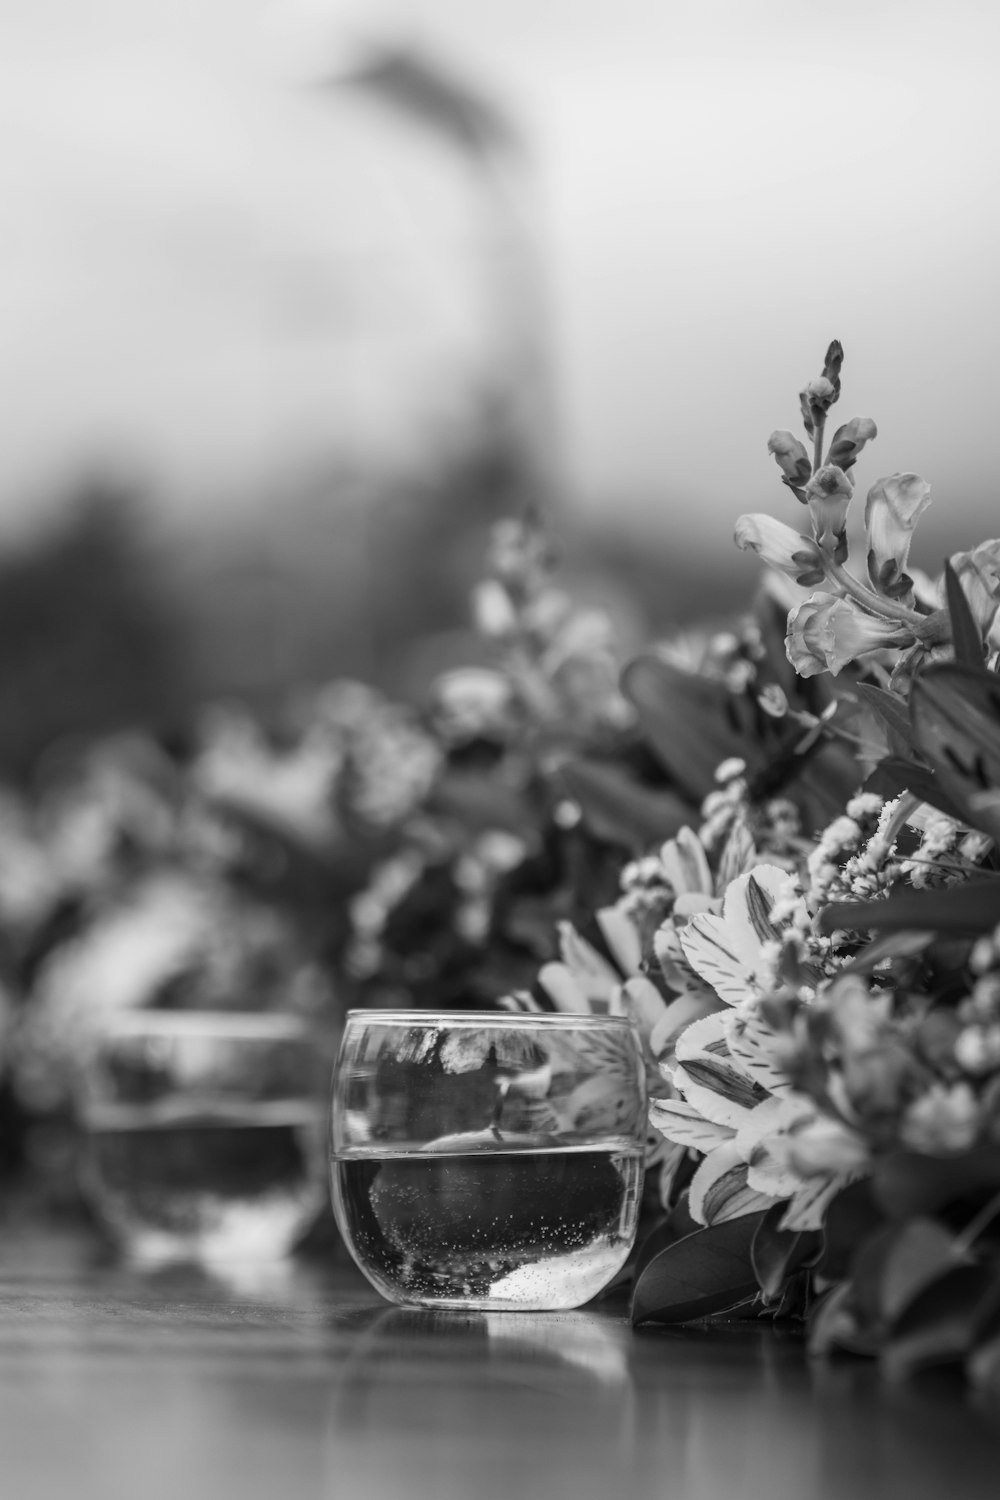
(818,444)
(873,604)
(964,1241)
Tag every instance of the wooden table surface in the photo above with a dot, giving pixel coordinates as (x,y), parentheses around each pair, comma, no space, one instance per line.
(297,1381)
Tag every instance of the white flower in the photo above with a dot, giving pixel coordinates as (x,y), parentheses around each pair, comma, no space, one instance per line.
(780,547)
(892,510)
(826,632)
(828,495)
(945,1119)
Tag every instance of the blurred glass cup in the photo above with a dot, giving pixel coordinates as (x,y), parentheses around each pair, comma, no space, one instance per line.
(203,1133)
(486,1160)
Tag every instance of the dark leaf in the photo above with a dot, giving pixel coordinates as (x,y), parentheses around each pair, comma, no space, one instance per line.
(691,724)
(941,1324)
(895,1264)
(906,1184)
(677,1226)
(892,945)
(620,810)
(834,1325)
(891,713)
(895,775)
(955,711)
(776,1253)
(984,1367)
(850,1219)
(703,1274)
(921,1252)
(966,636)
(964,910)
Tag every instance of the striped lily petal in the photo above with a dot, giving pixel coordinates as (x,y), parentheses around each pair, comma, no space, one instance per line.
(687,1126)
(756,1047)
(725,950)
(622,938)
(592,972)
(719,1189)
(686,864)
(709,1098)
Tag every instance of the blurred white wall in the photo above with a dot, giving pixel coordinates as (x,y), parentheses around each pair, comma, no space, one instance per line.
(210,268)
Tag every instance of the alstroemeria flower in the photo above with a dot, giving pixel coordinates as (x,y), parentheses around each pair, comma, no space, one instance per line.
(828,495)
(892,510)
(826,632)
(748,1136)
(778,545)
(979,574)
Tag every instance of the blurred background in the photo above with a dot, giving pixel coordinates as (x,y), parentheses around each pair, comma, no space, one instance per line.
(295,300)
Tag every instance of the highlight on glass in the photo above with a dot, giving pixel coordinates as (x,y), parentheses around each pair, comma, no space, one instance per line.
(488,1161)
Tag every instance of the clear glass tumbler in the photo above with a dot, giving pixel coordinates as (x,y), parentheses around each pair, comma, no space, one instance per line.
(204,1133)
(487,1160)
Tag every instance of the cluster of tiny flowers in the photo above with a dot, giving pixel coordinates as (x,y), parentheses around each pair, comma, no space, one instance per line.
(723,808)
(938,838)
(871,871)
(977,1047)
(852,860)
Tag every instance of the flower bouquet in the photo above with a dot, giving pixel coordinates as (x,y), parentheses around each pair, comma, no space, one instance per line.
(813,962)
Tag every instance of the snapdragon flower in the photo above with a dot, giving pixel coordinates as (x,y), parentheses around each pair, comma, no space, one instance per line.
(826,632)
(892,510)
(780,547)
(828,495)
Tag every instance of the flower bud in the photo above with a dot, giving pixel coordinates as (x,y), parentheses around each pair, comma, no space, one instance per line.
(780,547)
(493,610)
(892,510)
(816,398)
(792,460)
(828,495)
(826,632)
(849,440)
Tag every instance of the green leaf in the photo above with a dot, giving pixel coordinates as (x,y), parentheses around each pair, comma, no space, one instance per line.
(941,1325)
(677,1226)
(895,1265)
(850,1219)
(777,1253)
(834,1325)
(966,636)
(891,713)
(892,945)
(920,1254)
(965,910)
(983,1367)
(691,724)
(895,775)
(955,711)
(619,810)
(705,1273)
(906,1184)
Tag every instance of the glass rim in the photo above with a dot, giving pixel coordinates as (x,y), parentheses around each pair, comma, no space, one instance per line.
(249,1024)
(485,1018)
